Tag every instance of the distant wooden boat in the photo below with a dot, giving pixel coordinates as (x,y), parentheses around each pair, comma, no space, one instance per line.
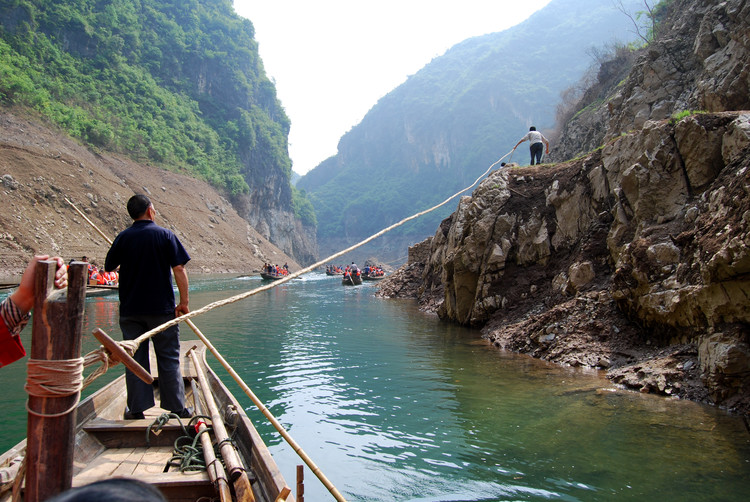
(370,277)
(108,446)
(101,290)
(334,272)
(351,279)
(272,277)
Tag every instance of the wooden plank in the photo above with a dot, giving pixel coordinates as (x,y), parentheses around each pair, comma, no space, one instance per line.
(147,464)
(105,464)
(128,466)
(154,461)
(188,370)
(108,402)
(166,480)
(86,450)
(132,433)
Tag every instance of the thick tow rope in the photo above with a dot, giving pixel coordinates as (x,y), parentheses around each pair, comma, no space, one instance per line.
(246,294)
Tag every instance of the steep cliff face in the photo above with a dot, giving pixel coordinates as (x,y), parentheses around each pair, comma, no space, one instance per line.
(698,61)
(305,246)
(633,259)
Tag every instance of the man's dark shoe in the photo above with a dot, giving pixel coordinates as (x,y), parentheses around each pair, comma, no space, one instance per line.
(132,416)
(185,413)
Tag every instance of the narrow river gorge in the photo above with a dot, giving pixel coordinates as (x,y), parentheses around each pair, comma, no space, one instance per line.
(393,404)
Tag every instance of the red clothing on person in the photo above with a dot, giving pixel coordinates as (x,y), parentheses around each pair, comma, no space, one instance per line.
(11,348)
(12,321)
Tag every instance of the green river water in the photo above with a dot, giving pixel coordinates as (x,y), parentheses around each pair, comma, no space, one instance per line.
(394,405)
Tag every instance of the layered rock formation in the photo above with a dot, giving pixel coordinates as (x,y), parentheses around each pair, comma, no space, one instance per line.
(632,259)
(698,61)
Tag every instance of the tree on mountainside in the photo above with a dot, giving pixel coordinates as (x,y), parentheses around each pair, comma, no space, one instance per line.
(645,21)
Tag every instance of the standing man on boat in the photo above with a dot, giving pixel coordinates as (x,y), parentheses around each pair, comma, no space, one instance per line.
(148,255)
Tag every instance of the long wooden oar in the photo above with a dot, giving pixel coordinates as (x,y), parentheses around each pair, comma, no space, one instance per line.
(239,477)
(216,471)
(89,221)
(297,448)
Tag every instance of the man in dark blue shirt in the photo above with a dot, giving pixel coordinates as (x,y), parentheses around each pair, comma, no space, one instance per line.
(148,255)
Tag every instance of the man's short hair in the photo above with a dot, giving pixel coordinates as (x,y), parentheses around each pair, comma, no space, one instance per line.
(532,128)
(137,205)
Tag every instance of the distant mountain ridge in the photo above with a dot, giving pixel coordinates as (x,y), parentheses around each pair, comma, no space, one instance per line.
(434,134)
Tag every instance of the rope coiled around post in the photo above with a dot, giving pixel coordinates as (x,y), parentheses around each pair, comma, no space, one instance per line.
(54,379)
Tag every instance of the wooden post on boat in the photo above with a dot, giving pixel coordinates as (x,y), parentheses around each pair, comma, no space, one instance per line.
(56,336)
(236,470)
(300,483)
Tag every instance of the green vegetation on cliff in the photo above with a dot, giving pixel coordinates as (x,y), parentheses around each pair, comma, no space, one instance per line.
(175,82)
(303,208)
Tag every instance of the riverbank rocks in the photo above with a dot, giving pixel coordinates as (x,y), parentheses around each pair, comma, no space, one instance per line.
(724,364)
(626,260)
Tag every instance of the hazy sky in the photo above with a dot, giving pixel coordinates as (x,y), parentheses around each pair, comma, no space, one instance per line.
(332,60)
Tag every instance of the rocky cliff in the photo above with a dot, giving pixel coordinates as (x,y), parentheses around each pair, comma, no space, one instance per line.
(698,61)
(633,258)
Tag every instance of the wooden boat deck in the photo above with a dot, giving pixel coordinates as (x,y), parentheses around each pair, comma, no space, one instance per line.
(108,446)
(121,452)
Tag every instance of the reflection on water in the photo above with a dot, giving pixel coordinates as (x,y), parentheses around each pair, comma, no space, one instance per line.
(394,405)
